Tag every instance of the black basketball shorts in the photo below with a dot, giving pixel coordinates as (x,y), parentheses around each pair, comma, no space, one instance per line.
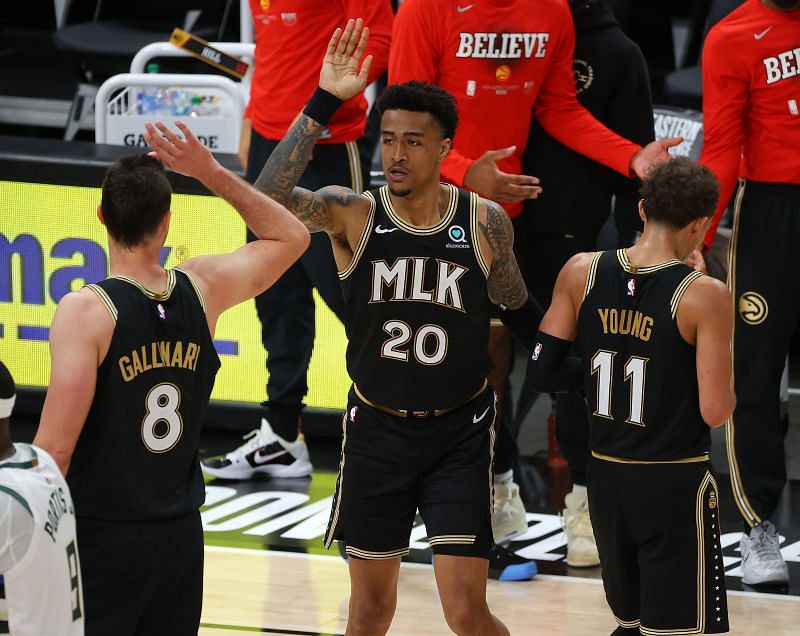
(657,531)
(392,466)
(142,578)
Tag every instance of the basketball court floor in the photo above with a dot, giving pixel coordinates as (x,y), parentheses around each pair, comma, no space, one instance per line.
(268,572)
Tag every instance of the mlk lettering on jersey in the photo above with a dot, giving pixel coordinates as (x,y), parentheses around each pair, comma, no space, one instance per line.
(405,280)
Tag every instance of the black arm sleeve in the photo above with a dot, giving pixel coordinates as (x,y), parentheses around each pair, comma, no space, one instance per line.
(523,322)
(552,369)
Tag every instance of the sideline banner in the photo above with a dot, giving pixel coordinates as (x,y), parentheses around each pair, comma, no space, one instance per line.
(671,121)
(51,242)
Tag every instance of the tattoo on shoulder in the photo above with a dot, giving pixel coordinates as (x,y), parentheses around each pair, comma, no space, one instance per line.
(339,195)
(310,209)
(314,208)
(505,283)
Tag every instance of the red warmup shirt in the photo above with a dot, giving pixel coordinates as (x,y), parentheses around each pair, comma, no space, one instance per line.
(291,39)
(502,60)
(751,99)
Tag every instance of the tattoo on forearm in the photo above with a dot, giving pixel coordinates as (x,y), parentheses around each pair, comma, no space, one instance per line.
(288,161)
(283,170)
(505,284)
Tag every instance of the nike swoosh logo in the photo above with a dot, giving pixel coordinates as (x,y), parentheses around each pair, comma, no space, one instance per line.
(758,36)
(384,230)
(463,9)
(478,418)
(258,458)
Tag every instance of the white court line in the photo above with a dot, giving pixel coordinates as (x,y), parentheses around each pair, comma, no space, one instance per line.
(542,577)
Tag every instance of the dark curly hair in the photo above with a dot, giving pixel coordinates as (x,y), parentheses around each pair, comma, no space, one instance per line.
(136,196)
(419,97)
(678,191)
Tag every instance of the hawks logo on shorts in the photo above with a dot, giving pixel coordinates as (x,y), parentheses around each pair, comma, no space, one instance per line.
(753,308)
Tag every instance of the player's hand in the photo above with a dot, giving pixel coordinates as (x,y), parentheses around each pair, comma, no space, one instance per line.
(186,156)
(489,181)
(697,261)
(653,153)
(339,74)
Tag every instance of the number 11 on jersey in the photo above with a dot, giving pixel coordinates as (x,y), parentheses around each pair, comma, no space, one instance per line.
(635,371)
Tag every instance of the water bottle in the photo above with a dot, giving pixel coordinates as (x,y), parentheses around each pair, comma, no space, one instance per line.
(181,103)
(163,103)
(196,106)
(146,96)
(212,104)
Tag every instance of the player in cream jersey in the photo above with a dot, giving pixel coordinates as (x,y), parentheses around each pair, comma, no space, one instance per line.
(38,550)
(40,587)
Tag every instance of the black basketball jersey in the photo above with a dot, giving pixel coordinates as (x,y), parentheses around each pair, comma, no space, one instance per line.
(136,457)
(417,316)
(641,375)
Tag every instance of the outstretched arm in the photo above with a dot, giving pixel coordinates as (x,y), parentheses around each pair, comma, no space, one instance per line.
(228,279)
(339,80)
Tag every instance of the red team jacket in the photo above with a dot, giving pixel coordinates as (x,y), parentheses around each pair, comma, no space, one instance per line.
(751,99)
(503,60)
(291,38)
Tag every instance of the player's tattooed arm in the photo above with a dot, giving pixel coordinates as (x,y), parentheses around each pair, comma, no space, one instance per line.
(505,284)
(340,78)
(326,210)
(280,175)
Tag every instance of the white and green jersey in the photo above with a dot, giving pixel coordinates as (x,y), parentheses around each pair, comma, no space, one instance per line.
(41,590)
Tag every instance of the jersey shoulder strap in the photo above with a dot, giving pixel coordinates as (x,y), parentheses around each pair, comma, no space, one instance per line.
(685,279)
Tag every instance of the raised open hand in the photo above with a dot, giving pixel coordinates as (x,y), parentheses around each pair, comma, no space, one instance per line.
(339,74)
(184,155)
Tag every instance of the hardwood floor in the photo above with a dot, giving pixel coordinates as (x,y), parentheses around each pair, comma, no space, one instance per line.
(297,594)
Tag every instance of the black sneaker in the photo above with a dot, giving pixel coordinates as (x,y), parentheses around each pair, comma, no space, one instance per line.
(507,565)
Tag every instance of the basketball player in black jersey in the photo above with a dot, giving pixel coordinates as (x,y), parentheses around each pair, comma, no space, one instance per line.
(420,263)
(655,337)
(133,365)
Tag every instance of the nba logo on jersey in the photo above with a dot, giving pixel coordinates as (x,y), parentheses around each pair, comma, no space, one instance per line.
(536,351)
(161,313)
(631,287)
(353,413)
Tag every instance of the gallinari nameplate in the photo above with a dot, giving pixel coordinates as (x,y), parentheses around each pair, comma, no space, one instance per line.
(202,50)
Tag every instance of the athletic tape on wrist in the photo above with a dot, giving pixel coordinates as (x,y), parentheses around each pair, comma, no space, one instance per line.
(322,106)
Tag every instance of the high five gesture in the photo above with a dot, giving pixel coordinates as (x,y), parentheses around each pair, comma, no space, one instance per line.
(339,80)
(339,74)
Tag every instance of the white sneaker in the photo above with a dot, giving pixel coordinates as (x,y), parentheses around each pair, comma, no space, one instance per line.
(264,452)
(762,561)
(581,546)
(508,513)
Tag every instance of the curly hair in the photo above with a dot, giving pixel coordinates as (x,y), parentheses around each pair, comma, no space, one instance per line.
(419,97)
(678,191)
